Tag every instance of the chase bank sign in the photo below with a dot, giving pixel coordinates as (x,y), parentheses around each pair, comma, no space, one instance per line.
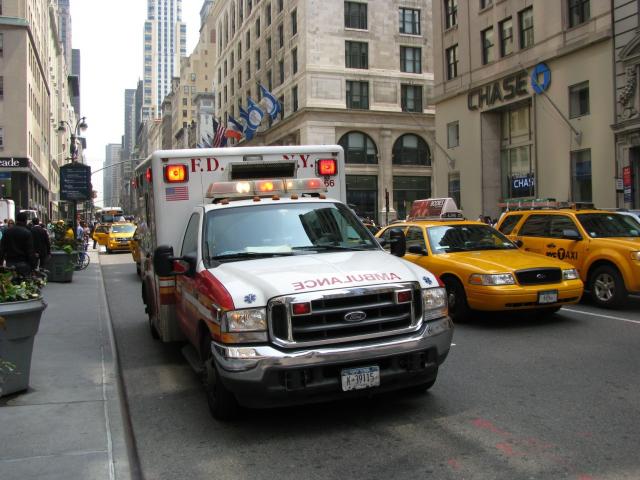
(510,87)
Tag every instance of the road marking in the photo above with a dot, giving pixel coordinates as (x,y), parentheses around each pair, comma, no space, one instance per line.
(611,317)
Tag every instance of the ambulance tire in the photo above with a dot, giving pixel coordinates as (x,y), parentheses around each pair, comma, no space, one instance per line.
(222,403)
(459,310)
(147,299)
(607,287)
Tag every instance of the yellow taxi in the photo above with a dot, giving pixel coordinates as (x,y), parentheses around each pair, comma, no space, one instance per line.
(603,246)
(101,234)
(135,252)
(481,268)
(120,236)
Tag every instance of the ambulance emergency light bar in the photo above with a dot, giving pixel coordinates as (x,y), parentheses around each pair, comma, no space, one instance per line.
(265,187)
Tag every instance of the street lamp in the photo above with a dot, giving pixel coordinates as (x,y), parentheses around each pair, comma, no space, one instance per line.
(81,126)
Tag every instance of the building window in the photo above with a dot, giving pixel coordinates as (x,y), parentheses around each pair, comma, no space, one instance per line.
(257,60)
(517,168)
(525,19)
(411,59)
(506,37)
(268,47)
(362,193)
(294,60)
(355,15)
(410,149)
(267,13)
(411,98)
(454,188)
(410,21)
(184,101)
(408,189)
(219,75)
(581,176)
(485,4)
(1,87)
(239,50)
(356,54)
(487,45)
(294,98)
(281,102)
(281,71)
(1,137)
(450,13)
(280,5)
(2,45)
(357,95)
(579,100)
(579,12)
(359,148)
(452,62)
(453,134)
(280,36)
(247,40)
(294,23)
(248,69)
(257,28)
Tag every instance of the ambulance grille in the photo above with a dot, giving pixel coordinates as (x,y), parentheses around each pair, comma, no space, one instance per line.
(258,170)
(328,322)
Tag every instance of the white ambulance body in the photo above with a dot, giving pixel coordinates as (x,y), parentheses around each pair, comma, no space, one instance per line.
(283,294)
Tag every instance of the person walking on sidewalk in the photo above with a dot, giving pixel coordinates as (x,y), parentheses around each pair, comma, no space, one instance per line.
(16,246)
(41,242)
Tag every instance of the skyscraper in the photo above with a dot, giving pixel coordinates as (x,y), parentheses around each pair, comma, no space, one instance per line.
(165,38)
(64,22)
(111,175)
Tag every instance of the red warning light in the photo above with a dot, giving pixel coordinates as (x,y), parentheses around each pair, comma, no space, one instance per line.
(148,175)
(327,166)
(176,173)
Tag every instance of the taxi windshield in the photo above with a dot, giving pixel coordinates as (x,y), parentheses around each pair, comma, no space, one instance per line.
(466,238)
(281,230)
(122,228)
(600,225)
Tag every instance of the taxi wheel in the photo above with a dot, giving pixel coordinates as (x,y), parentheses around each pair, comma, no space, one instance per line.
(607,287)
(222,403)
(458,308)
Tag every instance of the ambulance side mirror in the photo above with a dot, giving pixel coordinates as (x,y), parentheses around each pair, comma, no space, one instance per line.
(163,261)
(397,242)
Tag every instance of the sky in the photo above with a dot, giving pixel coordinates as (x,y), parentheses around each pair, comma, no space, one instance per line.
(109,36)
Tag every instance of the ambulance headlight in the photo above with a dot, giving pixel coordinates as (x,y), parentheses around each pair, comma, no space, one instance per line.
(248,320)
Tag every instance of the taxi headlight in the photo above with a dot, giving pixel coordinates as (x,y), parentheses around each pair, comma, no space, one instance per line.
(570,274)
(434,303)
(492,279)
(635,256)
(249,320)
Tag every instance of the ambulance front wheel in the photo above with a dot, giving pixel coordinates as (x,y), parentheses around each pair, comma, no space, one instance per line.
(222,403)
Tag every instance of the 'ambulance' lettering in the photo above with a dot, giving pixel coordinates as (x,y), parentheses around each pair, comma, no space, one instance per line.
(345,280)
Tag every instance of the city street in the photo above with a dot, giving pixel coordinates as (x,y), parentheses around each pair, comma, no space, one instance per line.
(518,398)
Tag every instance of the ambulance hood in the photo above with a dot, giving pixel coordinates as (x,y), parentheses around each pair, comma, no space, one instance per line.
(251,283)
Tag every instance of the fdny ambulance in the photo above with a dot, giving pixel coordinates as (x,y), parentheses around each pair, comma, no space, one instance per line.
(281,293)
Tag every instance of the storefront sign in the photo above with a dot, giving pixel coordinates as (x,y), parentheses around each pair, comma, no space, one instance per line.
(627,182)
(75,182)
(515,85)
(506,89)
(13,162)
(522,185)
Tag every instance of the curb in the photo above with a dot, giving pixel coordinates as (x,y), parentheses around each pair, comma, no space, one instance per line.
(125,464)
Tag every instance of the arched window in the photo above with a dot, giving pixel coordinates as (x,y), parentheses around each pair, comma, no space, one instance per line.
(410,149)
(358,148)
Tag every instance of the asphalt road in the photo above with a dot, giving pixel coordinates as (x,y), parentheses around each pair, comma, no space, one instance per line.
(518,398)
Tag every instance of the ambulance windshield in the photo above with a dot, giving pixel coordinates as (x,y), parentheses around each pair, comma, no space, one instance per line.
(281,230)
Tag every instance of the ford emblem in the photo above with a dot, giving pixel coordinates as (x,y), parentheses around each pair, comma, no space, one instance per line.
(541,276)
(353,317)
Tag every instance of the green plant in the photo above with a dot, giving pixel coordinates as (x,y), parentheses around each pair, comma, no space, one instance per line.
(15,287)
(60,239)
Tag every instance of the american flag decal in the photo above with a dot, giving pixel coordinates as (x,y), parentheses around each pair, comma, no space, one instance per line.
(175,194)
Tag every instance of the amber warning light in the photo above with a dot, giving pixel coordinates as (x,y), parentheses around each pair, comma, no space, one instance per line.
(176,173)
(327,166)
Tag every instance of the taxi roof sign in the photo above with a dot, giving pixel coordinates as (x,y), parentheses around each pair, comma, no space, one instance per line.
(434,208)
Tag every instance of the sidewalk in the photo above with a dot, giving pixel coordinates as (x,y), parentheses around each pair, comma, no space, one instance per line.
(69,424)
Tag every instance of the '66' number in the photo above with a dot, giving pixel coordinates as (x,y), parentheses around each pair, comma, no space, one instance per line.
(329,182)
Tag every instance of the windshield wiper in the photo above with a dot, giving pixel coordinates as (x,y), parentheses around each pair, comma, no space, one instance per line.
(245,255)
(332,248)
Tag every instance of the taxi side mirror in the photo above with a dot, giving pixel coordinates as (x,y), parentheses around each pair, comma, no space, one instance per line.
(519,243)
(571,234)
(398,243)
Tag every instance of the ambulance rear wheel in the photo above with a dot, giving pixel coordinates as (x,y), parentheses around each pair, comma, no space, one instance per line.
(222,403)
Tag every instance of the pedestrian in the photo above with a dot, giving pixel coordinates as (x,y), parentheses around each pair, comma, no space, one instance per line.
(16,246)
(41,243)
(68,235)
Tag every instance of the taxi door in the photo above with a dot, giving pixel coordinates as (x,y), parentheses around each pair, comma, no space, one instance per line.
(533,233)
(186,286)
(416,246)
(101,234)
(558,246)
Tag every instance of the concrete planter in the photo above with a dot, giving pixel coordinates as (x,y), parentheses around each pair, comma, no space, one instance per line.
(21,322)
(61,266)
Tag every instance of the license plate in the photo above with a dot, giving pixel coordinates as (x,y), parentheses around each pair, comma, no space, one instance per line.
(361,377)
(550,296)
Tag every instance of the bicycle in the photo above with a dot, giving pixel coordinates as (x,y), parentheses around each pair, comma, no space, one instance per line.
(83,261)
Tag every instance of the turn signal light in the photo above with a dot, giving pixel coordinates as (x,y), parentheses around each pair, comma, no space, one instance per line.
(404,296)
(176,173)
(148,176)
(327,166)
(301,308)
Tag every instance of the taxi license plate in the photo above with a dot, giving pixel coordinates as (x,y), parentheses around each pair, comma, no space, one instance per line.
(361,377)
(549,296)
